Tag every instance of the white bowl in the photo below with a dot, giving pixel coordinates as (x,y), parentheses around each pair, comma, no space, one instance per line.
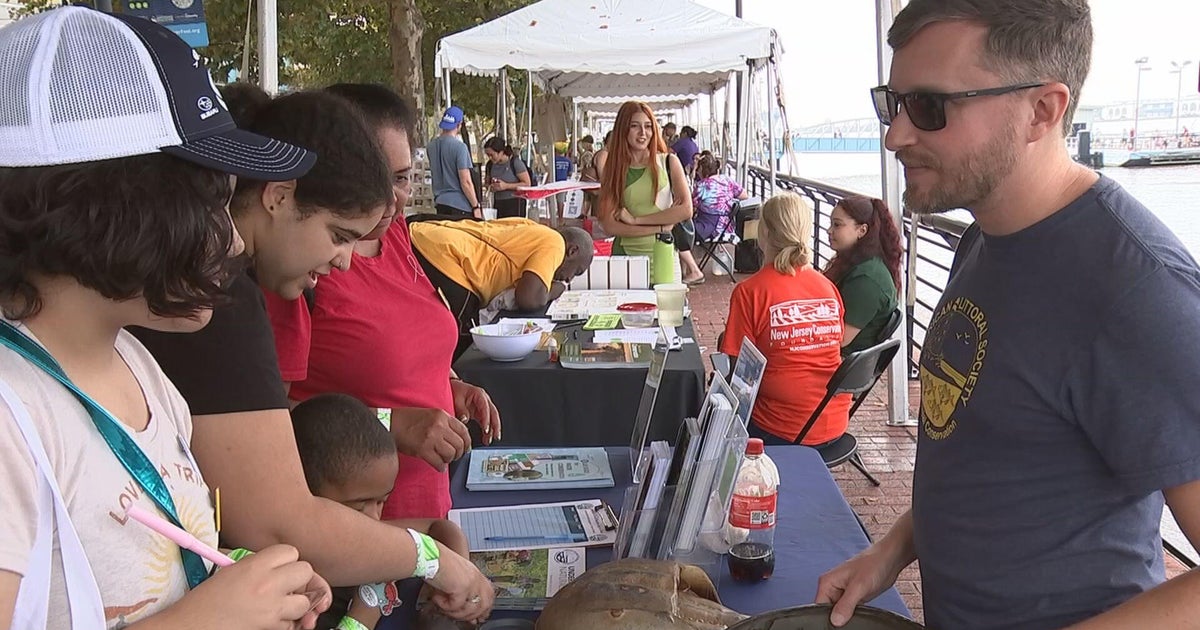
(499,342)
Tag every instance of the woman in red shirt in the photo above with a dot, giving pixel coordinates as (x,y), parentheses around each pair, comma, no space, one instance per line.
(380,332)
(793,314)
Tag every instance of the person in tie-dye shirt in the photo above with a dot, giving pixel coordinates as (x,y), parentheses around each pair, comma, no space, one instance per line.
(712,197)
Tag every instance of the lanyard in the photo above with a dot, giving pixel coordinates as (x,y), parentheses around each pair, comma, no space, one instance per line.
(127,451)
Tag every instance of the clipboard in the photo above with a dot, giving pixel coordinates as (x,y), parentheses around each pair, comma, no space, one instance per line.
(588,523)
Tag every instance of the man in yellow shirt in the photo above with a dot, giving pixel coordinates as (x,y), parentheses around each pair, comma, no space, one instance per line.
(471,262)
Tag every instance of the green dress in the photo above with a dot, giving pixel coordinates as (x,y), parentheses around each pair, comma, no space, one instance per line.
(640,200)
(868,297)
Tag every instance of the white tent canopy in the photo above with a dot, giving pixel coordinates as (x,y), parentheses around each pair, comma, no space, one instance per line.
(614,48)
(612,105)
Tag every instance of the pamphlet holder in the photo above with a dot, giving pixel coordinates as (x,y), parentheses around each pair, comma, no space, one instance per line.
(640,530)
(696,526)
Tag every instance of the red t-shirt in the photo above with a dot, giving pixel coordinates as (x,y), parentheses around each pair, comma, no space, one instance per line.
(796,321)
(378,332)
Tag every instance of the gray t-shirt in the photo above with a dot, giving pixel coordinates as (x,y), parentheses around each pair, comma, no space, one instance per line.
(1058,399)
(447,156)
(507,172)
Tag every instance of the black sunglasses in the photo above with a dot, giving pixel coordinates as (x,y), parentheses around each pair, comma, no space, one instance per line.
(927,110)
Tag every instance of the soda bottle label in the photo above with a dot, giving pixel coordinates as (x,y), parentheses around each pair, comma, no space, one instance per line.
(750,512)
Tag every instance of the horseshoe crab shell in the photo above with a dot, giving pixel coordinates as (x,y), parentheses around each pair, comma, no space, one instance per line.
(638,594)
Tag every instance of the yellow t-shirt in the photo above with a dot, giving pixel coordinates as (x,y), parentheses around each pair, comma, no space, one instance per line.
(488,257)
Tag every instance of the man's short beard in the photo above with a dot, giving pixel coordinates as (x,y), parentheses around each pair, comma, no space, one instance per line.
(973,180)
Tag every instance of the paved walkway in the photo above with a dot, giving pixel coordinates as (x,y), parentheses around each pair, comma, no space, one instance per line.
(888,452)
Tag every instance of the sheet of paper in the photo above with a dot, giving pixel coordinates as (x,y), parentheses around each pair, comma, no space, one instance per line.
(585,523)
(628,335)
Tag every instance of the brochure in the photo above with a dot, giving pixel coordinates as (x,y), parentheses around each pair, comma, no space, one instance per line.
(580,355)
(525,579)
(539,469)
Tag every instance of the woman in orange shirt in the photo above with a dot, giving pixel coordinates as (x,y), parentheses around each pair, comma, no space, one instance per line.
(793,314)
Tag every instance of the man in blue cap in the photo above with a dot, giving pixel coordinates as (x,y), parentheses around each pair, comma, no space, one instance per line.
(450,168)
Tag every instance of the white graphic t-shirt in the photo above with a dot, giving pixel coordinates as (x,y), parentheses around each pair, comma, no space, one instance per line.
(138,571)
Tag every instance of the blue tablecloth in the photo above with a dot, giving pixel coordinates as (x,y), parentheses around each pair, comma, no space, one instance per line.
(816,530)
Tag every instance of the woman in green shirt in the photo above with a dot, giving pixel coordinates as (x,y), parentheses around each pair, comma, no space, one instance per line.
(643,188)
(866,268)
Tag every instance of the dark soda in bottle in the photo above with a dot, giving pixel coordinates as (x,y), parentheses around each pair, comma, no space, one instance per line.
(753,509)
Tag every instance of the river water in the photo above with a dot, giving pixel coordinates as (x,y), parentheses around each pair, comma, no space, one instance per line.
(1170,192)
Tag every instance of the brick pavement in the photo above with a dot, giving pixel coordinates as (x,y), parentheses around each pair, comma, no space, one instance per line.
(888,452)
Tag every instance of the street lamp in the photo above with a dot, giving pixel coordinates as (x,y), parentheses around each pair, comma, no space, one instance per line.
(1137,101)
(1178,72)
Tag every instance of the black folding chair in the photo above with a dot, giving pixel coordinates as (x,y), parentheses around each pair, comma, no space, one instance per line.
(723,236)
(856,376)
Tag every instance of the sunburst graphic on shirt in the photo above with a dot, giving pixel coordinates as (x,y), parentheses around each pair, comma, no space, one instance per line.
(952,361)
(164,565)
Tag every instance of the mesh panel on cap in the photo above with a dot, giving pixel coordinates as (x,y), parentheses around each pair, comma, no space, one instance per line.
(78,86)
(16,52)
(106,99)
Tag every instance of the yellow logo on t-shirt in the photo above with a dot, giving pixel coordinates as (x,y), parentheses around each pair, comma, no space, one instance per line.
(953,356)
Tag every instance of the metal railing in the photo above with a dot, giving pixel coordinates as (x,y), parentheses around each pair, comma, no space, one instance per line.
(933,243)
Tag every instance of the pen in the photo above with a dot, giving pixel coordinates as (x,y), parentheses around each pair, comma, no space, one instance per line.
(178,536)
(557,538)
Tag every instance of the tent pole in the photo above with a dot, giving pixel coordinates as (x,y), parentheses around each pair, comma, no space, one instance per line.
(268,46)
(500,106)
(446,89)
(885,13)
(770,122)
(747,78)
(728,130)
(529,115)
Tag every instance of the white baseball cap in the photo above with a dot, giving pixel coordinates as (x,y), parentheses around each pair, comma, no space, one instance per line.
(79,85)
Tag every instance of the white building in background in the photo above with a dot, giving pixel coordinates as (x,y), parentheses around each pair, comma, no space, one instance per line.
(1156,117)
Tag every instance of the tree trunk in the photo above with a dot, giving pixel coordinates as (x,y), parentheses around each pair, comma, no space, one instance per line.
(404,35)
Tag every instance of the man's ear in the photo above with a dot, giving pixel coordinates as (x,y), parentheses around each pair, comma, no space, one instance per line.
(571,251)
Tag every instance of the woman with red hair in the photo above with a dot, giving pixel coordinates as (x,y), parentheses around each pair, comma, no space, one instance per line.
(643,187)
(866,268)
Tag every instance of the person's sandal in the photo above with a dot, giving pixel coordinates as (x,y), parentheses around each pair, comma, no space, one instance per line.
(696,281)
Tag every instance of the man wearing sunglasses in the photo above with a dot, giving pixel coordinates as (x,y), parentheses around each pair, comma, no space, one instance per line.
(1058,397)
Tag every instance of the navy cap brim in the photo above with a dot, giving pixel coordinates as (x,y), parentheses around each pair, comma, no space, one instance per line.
(248,155)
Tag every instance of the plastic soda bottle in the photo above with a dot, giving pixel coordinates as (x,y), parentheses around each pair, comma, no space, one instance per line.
(755,491)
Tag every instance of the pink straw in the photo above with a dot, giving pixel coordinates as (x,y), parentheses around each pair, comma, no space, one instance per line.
(178,536)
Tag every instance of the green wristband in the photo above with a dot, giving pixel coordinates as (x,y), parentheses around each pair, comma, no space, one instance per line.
(350,623)
(427,555)
(238,554)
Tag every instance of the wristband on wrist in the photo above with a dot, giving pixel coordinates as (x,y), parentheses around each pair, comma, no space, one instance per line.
(350,623)
(239,553)
(427,555)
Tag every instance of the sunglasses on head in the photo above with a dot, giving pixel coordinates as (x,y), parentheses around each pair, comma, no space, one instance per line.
(927,110)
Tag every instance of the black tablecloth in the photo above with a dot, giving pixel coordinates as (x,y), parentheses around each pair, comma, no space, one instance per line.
(545,404)
(816,531)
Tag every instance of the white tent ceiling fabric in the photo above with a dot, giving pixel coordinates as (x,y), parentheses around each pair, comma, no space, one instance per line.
(612,48)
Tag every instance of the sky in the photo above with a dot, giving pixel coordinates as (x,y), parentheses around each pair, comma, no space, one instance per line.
(829,59)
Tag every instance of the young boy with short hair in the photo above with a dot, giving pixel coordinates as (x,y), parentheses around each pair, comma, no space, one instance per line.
(349,457)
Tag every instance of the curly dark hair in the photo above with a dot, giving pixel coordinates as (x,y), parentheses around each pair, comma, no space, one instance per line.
(882,239)
(351,177)
(151,225)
